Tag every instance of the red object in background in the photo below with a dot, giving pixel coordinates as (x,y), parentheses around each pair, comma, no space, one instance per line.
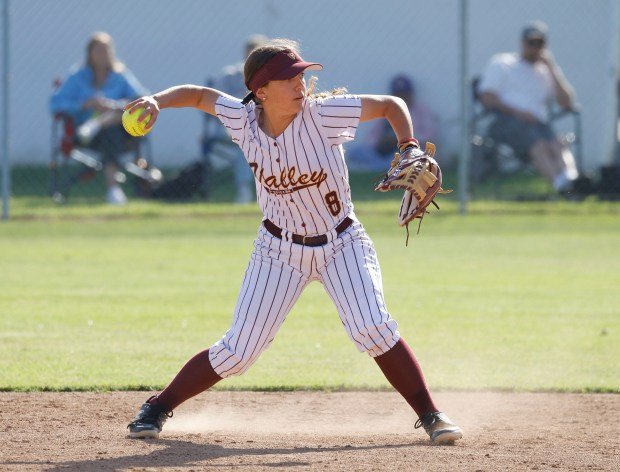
(66,142)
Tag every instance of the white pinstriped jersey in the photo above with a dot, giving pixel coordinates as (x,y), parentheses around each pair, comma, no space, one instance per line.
(302,186)
(302,182)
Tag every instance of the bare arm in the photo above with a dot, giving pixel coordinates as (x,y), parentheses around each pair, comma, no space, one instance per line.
(181,96)
(564,93)
(193,96)
(491,101)
(393,109)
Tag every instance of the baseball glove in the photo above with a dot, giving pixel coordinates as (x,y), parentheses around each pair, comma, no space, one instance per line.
(418,174)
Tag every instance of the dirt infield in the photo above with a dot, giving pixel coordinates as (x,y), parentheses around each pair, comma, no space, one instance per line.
(310,431)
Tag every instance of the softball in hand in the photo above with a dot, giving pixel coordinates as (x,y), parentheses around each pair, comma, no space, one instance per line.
(132,125)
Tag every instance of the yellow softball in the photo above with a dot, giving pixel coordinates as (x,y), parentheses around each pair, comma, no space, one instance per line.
(131,124)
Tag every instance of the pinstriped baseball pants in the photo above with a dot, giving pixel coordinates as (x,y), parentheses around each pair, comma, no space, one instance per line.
(276,275)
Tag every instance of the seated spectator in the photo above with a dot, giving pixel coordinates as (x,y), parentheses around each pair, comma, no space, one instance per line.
(520,87)
(377,147)
(94,94)
(230,80)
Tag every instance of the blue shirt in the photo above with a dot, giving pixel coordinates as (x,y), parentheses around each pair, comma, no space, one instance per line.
(78,87)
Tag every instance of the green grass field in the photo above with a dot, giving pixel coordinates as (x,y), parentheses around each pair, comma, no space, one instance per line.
(517,296)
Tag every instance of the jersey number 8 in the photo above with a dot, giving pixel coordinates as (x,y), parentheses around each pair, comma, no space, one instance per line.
(333,203)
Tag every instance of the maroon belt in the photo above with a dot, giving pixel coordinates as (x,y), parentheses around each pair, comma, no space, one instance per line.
(307,240)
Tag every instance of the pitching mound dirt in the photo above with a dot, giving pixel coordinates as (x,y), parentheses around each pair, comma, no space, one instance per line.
(310,431)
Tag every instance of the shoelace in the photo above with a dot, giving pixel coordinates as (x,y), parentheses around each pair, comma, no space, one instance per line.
(153,416)
(167,413)
(426,418)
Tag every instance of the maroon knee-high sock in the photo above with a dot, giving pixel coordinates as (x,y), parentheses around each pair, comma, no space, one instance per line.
(402,370)
(195,377)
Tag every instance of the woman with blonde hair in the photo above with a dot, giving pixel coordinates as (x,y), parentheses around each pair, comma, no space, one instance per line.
(292,141)
(94,94)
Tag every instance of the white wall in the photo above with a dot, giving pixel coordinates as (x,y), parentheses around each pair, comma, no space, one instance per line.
(361,43)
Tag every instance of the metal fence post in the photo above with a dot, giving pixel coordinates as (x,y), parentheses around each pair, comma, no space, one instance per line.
(463,167)
(5,111)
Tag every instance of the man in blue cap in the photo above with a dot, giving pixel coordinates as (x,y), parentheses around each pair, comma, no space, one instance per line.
(377,147)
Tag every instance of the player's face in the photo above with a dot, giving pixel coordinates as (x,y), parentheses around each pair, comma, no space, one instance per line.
(532,49)
(286,96)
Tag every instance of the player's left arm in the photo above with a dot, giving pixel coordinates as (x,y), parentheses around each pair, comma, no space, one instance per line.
(393,109)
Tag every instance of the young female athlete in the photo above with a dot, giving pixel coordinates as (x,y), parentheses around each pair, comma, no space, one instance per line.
(292,141)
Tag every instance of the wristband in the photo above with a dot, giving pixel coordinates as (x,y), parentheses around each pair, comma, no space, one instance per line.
(407,143)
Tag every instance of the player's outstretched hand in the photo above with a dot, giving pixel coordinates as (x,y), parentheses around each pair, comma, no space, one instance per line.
(150,108)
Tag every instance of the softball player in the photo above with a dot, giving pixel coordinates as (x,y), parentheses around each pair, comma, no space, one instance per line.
(292,140)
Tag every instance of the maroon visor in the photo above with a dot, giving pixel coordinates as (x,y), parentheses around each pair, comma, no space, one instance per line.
(283,65)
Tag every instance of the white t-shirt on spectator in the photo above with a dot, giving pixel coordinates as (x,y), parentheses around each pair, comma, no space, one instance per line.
(519,84)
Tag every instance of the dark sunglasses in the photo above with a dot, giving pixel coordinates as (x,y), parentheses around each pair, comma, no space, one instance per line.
(537,43)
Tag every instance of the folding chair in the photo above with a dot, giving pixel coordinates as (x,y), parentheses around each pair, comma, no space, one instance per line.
(72,163)
(218,151)
(497,160)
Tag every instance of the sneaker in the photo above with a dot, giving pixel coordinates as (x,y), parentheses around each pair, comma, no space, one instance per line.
(149,421)
(116,196)
(439,427)
(583,185)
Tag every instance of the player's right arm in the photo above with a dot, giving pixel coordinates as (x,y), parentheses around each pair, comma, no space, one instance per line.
(181,96)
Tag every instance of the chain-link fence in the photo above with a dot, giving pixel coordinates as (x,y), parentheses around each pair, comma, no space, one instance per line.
(58,152)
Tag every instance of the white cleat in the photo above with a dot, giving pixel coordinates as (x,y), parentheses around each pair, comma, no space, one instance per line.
(116,196)
(440,428)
